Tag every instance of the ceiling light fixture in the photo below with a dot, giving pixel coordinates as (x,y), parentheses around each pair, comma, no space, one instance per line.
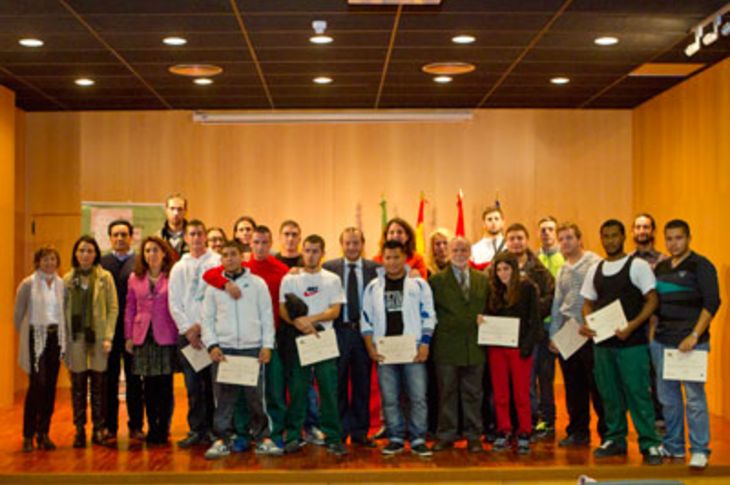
(560,80)
(339,116)
(30,42)
(714,34)
(319,27)
(443,79)
(203,81)
(694,47)
(725,29)
(322,80)
(84,81)
(606,41)
(176,41)
(713,25)
(463,39)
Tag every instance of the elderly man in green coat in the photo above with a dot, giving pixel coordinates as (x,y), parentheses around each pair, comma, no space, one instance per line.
(459,293)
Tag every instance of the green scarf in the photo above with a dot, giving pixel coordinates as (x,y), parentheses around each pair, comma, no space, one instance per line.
(81,300)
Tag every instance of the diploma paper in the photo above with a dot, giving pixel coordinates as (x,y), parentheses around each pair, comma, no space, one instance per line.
(568,340)
(685,366)
(606,321)
(198,358)
(239,370)
(499,331)
(399,349)
(313,349)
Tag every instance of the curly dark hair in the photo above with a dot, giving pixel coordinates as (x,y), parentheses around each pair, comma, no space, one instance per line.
(169,256)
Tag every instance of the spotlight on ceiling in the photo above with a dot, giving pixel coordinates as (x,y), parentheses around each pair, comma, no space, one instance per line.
(84,81)
(176,41)
(443,79)
(713,35)
(725,29)
(203,81)
(463,39)
(322,80)
(560,80)
(30,42)
(606,41)
(694,47)
(319,27)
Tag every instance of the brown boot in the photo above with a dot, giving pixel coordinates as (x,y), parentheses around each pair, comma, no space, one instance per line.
(44,442)
(27,445)
(80,438)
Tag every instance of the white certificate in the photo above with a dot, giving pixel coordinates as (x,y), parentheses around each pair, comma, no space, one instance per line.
(239,370)
(499,331)
(198,358)
(568,340)
(316,348)
(606,321)
(685,366)
(398,349)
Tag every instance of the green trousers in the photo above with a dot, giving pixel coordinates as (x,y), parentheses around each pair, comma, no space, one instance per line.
(275,401)
(298,379)
(622,378)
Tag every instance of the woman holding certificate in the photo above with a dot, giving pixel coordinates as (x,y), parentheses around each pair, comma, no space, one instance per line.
(151,333)
(512,298)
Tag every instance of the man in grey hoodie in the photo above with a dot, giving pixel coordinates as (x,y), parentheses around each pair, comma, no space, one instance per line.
(580,385)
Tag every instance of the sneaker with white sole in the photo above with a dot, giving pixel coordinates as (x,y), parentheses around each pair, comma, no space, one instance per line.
(269,448)
(315,436)
(219,449)
(653,456)
(698,460)
(668,454)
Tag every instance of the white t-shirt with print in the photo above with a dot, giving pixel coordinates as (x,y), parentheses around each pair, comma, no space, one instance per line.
(318,290)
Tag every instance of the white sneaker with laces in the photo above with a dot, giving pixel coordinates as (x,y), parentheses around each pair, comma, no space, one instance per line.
(268,447)
(698,460)
(219,449)
(668,454)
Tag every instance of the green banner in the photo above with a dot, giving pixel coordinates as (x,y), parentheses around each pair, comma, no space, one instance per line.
(147,219)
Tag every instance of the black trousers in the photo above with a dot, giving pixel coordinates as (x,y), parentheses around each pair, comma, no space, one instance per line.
(199,385)
(459,385)
(489,418)
(159,402)
(354,367)
(135,403)
(580,391)
(79,390)
(41,396)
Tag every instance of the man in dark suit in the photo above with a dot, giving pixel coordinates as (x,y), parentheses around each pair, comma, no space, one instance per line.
(459,294)
(354,364)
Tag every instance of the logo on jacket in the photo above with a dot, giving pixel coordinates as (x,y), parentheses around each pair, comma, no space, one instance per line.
(311,291)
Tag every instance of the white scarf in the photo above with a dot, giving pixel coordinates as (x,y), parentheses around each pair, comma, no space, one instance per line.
(38,314)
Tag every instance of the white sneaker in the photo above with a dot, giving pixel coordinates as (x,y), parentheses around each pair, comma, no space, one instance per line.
(219,449)
(667,454)
(314,436)
(698,460)
(268,447)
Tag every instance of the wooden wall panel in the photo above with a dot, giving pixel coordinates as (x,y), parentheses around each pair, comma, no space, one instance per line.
(7,242)
(682,169)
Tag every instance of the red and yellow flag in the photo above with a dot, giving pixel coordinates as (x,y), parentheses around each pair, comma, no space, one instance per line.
(420,236)
(460,231)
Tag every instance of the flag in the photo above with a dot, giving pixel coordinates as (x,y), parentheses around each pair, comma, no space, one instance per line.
(420,237)
(383,212)
(496,201)
(460,215)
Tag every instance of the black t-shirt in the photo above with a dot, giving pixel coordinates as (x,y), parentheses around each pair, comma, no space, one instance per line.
(296,261)
(394,305)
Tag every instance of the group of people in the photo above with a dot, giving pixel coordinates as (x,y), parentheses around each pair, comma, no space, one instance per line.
(189,289)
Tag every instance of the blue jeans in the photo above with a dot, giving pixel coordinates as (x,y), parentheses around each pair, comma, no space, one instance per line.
(670,395)
(542,396)
(412,378)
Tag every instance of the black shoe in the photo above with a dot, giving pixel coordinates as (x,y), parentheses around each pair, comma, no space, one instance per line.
(292,447)
(364,442)
(193,438)
(337,449)
(136,435)
(523,444)
(27,445)
(490,436)
(609,448)
(501,442)
(44,442)
(381,434)
(442,445)
(653,456)
(573,440)
(421,450)
(80,439)
(474,446)
(392,448)
(100,437)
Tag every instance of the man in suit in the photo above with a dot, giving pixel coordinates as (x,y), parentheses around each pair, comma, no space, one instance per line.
(459,294)
(354,365)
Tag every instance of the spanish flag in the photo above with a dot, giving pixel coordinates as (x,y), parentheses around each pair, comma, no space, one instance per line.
(420,237)
(460,231)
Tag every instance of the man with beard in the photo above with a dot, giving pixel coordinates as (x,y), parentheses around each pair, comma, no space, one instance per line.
(176,206)
(622,362)
(492,243)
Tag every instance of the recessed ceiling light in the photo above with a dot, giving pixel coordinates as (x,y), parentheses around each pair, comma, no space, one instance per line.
(322,80)
(321,39)
(560,80)
(450,68)
(174,41)
(605,41)
(30,42)
(84,81)
(463,39)
(203,81)
(443,79)
(195,70)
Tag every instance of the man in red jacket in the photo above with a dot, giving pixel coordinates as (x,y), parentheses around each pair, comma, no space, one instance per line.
(265,265)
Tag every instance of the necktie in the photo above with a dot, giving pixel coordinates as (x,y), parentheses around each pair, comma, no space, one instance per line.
(464,284)
(353,297)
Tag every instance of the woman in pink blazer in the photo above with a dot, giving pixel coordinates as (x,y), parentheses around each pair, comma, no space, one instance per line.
(151,333)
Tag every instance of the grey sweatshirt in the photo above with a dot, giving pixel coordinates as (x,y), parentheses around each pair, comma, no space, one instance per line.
(568,303)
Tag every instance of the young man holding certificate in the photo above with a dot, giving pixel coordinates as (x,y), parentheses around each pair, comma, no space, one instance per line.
(239,335)
(397,324)
(459,293)
(622,361)
(688,299)
(321,292)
